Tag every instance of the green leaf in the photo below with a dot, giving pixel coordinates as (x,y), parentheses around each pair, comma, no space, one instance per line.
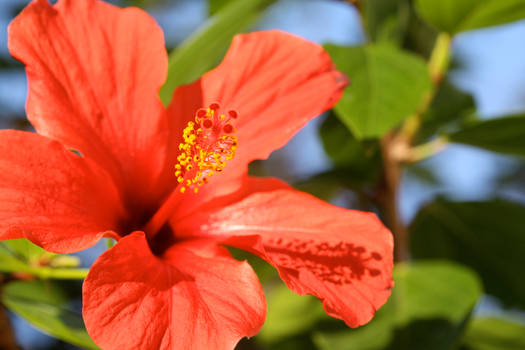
(289,314)
(328,184)
(511,179)
(374,336)
(325,185)
(29,254)
(215,5)
(294,343)
(423,173)
(265,272)
(388,85)
(346,151)
(491,333)
(487,236)
(43,304)
(204,48)
(25,249)
(22,256)
(386,20)
(357,164)
(427,310)
(419,36)
(140,3)
(504,135)
(449,106)
(435,290)
(454,16)
(9,261)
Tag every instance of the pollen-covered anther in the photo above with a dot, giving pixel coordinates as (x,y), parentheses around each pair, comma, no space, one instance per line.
(208,143)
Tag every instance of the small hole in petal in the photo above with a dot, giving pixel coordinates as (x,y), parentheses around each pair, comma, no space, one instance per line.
(77,152)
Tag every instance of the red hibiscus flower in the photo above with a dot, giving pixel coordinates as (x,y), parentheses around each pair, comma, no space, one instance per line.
(94,73)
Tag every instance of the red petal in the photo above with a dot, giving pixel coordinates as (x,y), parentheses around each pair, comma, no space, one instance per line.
(344,257)
(276,81)
(57,199)
(198,297)
(94,71)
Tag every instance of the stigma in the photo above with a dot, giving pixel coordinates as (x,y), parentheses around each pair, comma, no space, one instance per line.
(208,144)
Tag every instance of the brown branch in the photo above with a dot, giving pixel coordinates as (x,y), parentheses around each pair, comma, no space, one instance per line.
(397,149)
(7,338)
(390,149)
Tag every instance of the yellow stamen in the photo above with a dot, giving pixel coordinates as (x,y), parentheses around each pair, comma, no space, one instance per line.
(208,143)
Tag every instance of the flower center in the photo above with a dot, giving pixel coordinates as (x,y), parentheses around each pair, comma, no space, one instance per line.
(208,143)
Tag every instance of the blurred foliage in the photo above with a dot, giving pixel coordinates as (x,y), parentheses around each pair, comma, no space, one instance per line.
(362,160)
(491,333)
(204,48)
(142,3)
(432,302)
(386,20)
(288,315)
(22,256)
(388,85)
(449,109)
(44,304)
(402,90)
(455,16)
(427,310)
(356,165)
(18,255)
(486,236)
(215,5)
(504,135)
(345,150)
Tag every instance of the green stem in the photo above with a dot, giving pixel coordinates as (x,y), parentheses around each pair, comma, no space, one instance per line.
(437,67)
(45,272)
(428,149)
(439,58)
